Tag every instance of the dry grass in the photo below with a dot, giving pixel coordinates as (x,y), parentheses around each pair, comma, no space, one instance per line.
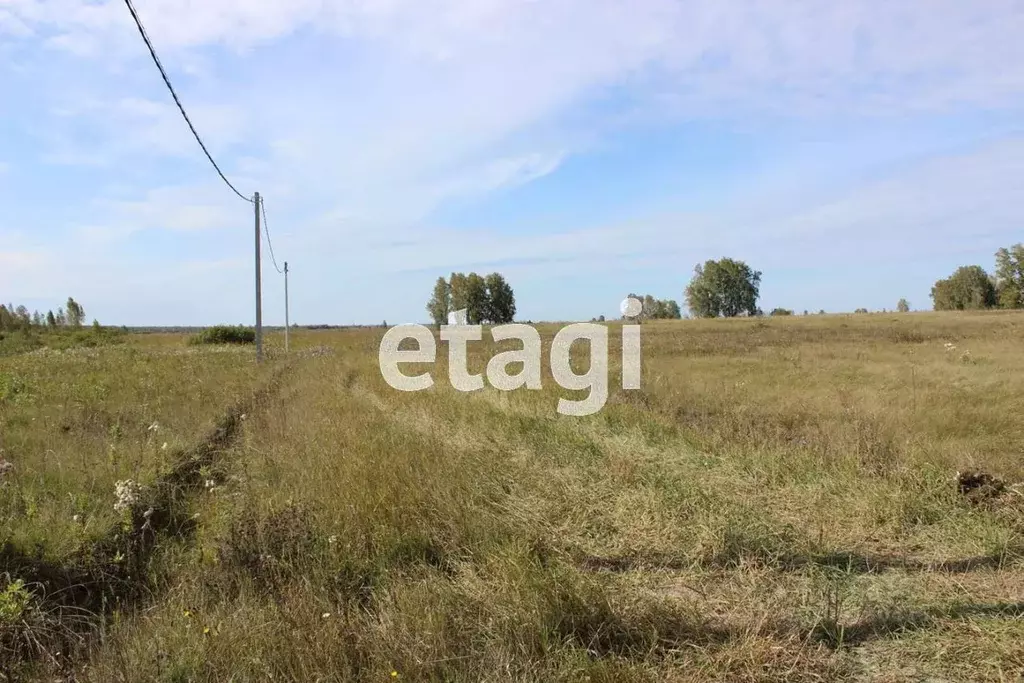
(777,504)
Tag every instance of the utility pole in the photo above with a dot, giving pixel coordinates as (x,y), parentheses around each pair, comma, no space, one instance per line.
(259,294)
(286,307)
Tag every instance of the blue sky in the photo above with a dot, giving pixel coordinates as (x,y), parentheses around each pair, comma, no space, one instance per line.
(854,152)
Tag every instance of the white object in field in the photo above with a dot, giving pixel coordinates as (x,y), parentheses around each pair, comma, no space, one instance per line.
(457,317)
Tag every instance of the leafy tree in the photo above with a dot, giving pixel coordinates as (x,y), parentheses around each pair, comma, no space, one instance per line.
(37,319)
(781,311)
(650,307)
(6,319)
(486,299)
(723,288)
(903,306)
(24,317)
(51,321)
(670,309)
(440,304)
(861,310)
(75,313)
(458,292)
(1010,277)
(96,326)
(501,300)
(655,309)
(969,287)
(476,299)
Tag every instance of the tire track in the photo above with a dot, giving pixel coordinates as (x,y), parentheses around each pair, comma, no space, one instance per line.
(74,597)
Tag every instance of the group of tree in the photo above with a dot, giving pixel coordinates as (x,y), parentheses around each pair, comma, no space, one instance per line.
(656,309)
(970,287)
(486,299)
(725,288)
(71,315)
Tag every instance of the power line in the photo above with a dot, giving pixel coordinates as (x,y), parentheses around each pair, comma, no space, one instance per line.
(156,60)
(266,229)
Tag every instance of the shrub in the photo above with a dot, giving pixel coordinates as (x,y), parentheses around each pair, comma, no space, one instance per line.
(224,334)
(781,311)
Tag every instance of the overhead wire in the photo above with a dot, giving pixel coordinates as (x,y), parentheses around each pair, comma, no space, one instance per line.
(266,228)
(181,108)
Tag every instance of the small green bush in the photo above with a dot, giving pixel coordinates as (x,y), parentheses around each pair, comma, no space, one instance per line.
(224,334)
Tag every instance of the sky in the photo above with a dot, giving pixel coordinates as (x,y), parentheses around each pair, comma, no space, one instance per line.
(853,152)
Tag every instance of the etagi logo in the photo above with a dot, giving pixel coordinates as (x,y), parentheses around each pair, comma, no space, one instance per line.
(458,334)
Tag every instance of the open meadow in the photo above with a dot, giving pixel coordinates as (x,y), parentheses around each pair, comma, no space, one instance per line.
(780,501)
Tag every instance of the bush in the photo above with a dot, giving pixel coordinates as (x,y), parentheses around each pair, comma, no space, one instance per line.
(783,311)
(224,334)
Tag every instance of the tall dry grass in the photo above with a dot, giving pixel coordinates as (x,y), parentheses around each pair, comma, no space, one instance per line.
(776,504)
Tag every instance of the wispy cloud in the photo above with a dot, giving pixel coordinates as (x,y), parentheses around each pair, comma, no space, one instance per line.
(359,119)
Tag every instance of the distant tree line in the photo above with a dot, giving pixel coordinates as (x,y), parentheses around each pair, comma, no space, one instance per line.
(971,287)
(71,315)
(486,299)
(655,309)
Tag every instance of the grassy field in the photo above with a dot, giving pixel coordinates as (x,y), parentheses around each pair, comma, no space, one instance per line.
(779,502)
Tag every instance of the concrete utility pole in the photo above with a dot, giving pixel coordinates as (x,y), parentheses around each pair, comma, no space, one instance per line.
(286,307)
(259,294)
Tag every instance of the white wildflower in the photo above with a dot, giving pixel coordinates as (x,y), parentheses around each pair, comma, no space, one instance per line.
(164,447)
(950,346)
(325,615)
(242,416)
(153,427)
(76,518)
(332,540)
(127,494)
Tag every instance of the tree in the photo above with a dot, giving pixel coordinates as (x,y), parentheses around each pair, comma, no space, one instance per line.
(62,319)
(485,299)
(670,309)
(6,319)
(650,307)
(903,306)
(969,287)
(457,289)
(76,314)
(24,317)
(1010,277)
(723,288)
(781,311)
(501,300)
(861,310)
(440,304)
(476,299)
(51,321)
(37,319)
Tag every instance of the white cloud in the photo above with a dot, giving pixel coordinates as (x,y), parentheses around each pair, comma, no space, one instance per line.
(352,116)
